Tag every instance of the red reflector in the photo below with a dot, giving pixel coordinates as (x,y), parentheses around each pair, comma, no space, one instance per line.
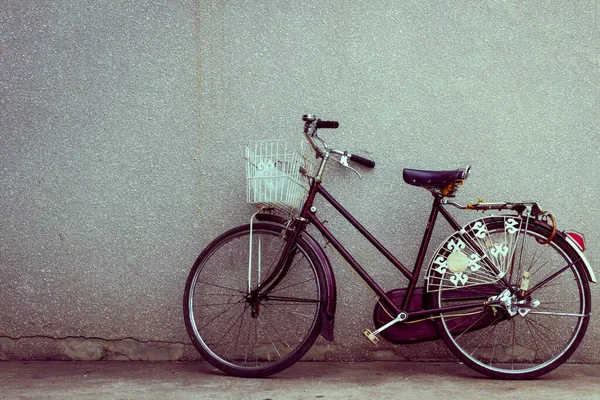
(578,238)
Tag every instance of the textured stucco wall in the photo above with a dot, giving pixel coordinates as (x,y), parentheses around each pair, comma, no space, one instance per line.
(123,128)
(99,172)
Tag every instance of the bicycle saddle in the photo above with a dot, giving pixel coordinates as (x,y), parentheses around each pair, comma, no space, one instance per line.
(437,179)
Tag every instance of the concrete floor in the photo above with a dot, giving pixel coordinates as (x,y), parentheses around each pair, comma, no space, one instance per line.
(143,380)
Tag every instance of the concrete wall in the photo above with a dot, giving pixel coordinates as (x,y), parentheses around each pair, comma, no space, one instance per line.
(123,128)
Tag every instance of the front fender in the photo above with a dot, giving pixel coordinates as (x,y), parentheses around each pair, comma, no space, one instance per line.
(328,310)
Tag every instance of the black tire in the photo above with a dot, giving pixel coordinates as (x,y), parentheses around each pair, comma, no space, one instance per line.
(245,333)
(537,335)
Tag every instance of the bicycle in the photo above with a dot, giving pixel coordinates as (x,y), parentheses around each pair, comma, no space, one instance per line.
(508,294)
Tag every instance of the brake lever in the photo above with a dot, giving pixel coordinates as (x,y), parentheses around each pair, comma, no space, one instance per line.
(344,161)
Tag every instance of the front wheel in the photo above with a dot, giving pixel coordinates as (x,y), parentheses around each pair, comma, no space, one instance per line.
(237,326)
(543,312)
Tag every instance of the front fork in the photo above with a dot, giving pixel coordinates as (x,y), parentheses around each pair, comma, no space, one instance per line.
(256,295)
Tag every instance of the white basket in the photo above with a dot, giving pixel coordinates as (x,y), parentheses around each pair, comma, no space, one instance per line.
(273,175)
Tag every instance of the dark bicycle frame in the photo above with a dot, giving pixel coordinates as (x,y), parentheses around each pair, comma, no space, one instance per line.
(308,216)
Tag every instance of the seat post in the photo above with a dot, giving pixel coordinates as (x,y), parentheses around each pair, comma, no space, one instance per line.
(435,207)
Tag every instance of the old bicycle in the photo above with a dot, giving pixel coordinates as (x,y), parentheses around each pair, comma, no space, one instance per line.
(507,293)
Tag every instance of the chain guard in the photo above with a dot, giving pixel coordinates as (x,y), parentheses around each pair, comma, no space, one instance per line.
(420,331)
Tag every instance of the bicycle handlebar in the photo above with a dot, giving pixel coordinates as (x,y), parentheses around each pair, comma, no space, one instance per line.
(327,124)
(362,161)
(311,121)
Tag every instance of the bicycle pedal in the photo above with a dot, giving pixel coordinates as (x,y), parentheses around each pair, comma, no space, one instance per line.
(371,336)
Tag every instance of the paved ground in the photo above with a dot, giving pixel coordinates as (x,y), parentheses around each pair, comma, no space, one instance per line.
(419,381)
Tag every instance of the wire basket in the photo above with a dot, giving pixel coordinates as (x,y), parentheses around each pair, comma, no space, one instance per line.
(273,176)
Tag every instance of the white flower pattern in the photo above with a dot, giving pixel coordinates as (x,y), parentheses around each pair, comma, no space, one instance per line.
(498,251)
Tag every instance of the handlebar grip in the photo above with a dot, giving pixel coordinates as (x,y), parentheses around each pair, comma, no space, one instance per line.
(362,161)
(327,124)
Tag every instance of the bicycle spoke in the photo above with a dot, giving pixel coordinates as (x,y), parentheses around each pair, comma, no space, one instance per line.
(279,289)
(220,314)
(221,287)
(272,299)
(270,340)
(239,318)
(551,277)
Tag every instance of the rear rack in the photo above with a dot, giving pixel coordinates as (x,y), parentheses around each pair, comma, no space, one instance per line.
(530,208)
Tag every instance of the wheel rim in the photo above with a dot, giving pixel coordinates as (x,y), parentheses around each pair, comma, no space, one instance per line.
(253,331)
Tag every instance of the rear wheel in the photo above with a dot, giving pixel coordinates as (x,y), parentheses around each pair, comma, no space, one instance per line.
(233,323)
(538,325)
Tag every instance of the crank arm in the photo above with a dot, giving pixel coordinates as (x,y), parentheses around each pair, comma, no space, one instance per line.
(372,336)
